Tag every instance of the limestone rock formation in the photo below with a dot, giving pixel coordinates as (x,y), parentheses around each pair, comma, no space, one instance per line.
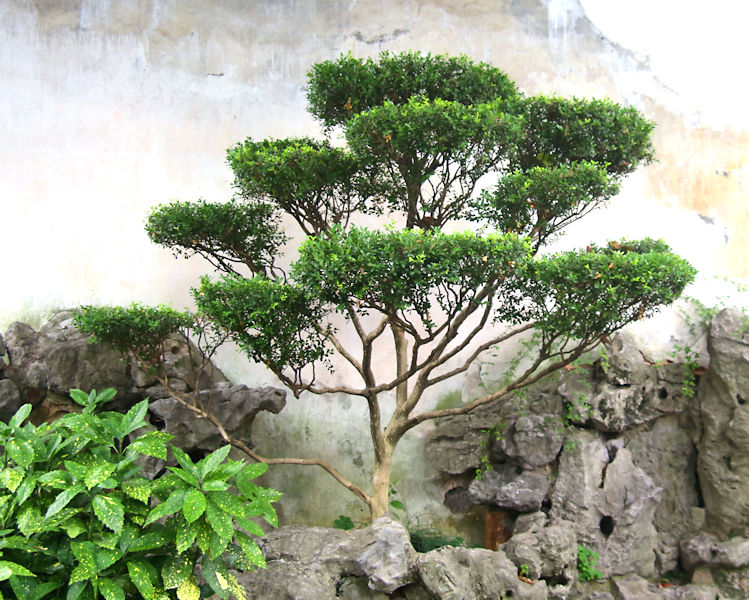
(723,417)
(44,365)
(505,488)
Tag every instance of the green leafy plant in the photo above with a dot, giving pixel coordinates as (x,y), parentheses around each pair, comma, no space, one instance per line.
(344,522)
(421,133)
(586,564)
(493,434)
(78,521)
(523,570)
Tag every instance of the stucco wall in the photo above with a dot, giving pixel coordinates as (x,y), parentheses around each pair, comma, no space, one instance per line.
(108,107)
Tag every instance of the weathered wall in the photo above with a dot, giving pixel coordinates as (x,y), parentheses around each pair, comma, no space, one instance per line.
(109,107)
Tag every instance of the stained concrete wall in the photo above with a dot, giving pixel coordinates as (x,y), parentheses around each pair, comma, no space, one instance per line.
(109,107)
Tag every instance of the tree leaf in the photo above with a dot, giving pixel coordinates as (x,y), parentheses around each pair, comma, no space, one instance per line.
(16,569)
(85,553)
(156,538)
(110,589)
(213,460)
(220,521)
(152,443)
(21,415)
(20,451)
(251,549)
(143,575)
(186,534)
(109,510)
(194,506)
(138,488)
(176,570)
(10,478)
(188,590)
(62,500)
(133,419)
(170,506)
(98,474)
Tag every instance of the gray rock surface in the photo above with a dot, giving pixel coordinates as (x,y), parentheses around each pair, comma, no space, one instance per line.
(505,488)
(236,406)
(707,549)
(722,413)
(610,503)
(664,450)
(532,441)
(548,548)
(468,574)
(306,563)
(10,399)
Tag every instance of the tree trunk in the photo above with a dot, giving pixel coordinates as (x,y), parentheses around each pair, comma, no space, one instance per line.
(381,484)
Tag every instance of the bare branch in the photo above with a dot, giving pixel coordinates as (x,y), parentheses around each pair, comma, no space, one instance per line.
(229,439)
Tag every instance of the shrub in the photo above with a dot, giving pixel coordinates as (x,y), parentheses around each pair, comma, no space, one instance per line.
(78,521)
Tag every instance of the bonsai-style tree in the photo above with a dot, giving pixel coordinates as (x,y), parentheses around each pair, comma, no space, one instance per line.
(433,144)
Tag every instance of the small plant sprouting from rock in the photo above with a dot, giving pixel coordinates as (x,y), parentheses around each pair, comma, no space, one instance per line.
(344,522)
(586,564)
(493,434)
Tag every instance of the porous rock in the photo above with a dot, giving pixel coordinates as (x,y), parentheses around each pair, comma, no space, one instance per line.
(235,406)
(315,562)
(634,587)
(611,503)
(10,399)
(532,440)
(467,574)
(707,549)
(548,548)
(664,450)
(722,413)
(505,488)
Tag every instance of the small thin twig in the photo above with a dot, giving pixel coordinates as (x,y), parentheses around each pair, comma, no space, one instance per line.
(229,439)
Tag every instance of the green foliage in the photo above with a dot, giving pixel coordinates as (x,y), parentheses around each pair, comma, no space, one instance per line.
(593,292)
(492,435)
(561,131)
(224,234)
(586,564)
(422,134)
(140,328)
(77,521)
(344,522)
(538,201)
(274,322)
(401,270)
(426,539)
(310,180)
(339,89)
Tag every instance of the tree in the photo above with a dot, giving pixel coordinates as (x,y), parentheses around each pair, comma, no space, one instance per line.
(422,135)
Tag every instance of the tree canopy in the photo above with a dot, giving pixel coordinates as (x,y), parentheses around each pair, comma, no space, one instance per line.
(424,141)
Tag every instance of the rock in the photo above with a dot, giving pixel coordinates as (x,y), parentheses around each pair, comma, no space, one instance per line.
(235,406)
(467,574)
(317,562)
(10,399)
(634,587)
(387,558)
(548,549)
(532,441)
(459,442)
(3,349)
(664,450)
(504,488)
(707,549)
(722,413)
(58,357)
(611,505)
